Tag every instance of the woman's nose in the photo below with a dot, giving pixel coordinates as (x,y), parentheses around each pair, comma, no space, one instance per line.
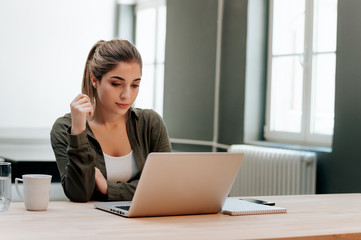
(125,93)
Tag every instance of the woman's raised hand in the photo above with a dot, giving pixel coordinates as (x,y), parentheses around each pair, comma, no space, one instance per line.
(80,107)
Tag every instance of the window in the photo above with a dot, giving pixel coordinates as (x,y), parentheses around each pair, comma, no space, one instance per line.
(301,71)
(42,60)
(150,41)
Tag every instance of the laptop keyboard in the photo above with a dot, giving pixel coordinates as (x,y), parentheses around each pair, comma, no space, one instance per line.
(123,207)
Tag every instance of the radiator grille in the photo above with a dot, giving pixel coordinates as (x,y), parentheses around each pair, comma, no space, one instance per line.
(272,171)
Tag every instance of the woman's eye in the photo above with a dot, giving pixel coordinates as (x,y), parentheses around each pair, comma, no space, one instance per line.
(135,85)
(115,84)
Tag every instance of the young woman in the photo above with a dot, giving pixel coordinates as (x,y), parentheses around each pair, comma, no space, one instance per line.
(101,146)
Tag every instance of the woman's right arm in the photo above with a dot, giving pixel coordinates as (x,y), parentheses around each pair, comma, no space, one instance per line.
(74,156)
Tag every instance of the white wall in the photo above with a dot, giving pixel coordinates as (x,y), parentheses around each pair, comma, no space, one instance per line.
(43,48)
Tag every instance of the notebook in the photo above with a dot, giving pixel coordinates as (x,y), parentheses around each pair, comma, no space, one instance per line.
(237,207)
(179,184)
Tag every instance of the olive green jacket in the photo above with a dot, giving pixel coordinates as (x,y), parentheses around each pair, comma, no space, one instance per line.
(78,155)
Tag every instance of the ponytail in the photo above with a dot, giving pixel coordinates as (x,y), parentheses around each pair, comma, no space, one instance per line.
(87,86)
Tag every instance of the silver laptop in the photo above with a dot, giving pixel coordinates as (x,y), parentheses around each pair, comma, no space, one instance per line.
(180,184)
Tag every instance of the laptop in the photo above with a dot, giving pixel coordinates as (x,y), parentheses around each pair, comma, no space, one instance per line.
(176,183)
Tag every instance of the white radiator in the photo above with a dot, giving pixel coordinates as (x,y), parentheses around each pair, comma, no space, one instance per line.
(271,171)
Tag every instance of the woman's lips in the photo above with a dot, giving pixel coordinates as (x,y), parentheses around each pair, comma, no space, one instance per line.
(122,105)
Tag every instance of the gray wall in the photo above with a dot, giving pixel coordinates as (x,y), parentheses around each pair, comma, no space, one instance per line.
(190,68)
(340,170)
(233,72)
(190,74)
(190,82)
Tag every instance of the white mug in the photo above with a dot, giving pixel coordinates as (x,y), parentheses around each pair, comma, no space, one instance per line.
(36,189)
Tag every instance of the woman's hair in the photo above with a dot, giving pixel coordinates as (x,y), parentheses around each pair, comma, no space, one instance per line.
(104,57)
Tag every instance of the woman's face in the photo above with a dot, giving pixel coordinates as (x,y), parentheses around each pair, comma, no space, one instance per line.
(118,89)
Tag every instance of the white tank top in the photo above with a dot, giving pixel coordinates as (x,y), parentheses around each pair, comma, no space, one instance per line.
(120,168)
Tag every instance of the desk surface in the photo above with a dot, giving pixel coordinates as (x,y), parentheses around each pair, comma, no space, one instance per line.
(309,217)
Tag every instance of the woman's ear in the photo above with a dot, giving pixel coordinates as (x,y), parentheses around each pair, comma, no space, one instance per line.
(94,80)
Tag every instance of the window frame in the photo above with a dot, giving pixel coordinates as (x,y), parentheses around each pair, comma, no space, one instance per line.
(158,84)
(304,137)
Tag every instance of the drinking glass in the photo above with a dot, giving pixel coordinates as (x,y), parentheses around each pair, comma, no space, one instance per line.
(5,186)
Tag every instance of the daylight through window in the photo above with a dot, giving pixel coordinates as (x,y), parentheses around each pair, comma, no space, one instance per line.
(301,71)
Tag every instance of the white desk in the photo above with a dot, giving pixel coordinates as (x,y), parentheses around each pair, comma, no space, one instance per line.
(27,152)
(32,158)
